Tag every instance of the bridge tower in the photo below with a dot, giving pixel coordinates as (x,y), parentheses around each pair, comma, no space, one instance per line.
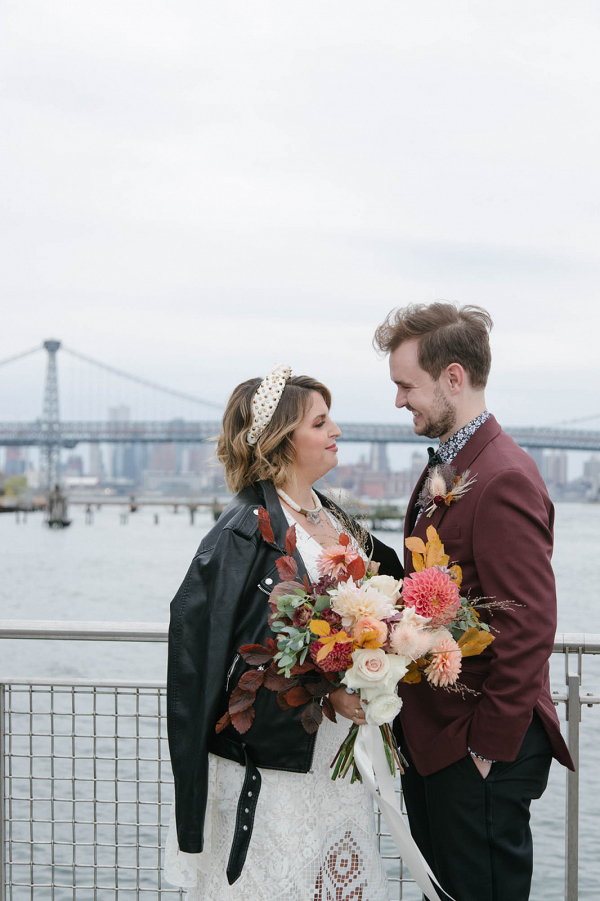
(50,426)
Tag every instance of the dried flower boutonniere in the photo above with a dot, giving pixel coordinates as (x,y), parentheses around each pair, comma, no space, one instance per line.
(442,486)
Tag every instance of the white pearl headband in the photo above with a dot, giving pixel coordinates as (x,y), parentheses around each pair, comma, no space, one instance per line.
(265,400)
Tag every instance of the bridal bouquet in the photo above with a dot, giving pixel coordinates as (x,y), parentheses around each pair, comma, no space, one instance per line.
(358,629)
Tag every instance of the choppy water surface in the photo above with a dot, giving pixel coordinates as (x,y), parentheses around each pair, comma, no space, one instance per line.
(118,572)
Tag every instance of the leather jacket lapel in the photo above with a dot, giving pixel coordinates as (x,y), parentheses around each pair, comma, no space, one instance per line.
(279,523)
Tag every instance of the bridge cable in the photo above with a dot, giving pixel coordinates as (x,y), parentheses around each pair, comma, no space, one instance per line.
(141,381)
(25,353)
(575,421)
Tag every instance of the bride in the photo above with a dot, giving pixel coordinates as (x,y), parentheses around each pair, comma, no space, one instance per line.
(257,815)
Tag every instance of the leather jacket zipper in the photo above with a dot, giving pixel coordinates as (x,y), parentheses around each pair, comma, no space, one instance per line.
(230,671)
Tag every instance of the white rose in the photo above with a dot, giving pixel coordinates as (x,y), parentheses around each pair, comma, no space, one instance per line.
(386,585)
(382,709)
(373,672)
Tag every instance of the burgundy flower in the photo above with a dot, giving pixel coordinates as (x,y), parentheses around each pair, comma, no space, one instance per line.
(331,617)
(302,615)
(323,585)
(338,659)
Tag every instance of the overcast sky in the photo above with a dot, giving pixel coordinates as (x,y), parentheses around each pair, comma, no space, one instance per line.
(193,191)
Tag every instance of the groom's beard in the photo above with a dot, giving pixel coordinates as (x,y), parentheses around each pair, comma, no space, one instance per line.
(442,418)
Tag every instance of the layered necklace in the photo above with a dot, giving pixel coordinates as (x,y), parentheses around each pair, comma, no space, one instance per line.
(313,516)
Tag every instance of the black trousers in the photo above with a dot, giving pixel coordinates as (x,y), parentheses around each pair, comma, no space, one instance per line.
(474,832)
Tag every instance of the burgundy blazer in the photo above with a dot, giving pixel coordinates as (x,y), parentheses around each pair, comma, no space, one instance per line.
(500,533)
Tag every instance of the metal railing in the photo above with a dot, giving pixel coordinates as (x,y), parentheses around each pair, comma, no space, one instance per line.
(86,785)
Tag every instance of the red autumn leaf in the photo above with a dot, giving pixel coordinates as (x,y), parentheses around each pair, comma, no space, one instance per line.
(299,668)
(306,584)
(275,681)
(329,710)
(223,723)
(344,540)
(252,680)
(356,568)
(240,700)
(287,568)
(332,677)
(243,720)
(255,654)
(318,689)
(271,644)
(264,525)
(284,588)
(282,701)
(290,540)
(297,696)
(312,717)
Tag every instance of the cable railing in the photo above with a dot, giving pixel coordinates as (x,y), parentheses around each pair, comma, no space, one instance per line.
(86,785)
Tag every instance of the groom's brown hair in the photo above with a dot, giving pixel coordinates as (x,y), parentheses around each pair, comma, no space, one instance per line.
(446,332)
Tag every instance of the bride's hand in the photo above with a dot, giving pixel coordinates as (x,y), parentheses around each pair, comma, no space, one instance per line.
(348,706)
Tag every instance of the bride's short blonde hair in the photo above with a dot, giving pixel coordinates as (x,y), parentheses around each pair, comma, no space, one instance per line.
(273,457)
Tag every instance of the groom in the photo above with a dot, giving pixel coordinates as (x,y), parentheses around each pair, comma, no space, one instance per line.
(478,756)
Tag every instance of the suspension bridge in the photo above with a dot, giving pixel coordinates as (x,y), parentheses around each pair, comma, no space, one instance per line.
(49,433)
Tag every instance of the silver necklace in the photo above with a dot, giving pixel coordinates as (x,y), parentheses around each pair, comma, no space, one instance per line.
(313,516)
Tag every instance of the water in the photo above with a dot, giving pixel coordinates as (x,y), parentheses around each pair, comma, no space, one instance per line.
(129,572)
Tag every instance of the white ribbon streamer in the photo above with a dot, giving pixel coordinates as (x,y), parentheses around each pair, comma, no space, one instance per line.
(371,760)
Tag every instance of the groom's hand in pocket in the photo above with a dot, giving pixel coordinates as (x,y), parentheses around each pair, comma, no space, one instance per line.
(484,766)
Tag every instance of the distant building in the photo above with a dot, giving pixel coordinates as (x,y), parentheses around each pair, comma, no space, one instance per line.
(537,454)
(96,462)
(16,464)
(556,468)
(163,458)
(73,466)
(379,461)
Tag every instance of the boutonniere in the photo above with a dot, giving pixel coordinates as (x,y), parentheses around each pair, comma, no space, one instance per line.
(442,486)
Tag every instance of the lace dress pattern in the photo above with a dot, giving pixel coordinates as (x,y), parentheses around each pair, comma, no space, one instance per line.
(313,839)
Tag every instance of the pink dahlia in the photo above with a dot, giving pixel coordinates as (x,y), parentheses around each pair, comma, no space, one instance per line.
(338,659)
(446,663)
(432,593)
(333,561)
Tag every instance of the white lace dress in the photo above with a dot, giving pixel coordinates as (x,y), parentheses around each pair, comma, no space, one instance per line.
(313,839)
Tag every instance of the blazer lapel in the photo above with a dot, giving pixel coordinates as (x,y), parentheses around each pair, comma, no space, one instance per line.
(464,459)
(420,531)
(408,528)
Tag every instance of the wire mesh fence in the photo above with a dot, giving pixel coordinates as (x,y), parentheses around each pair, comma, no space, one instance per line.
(88,791)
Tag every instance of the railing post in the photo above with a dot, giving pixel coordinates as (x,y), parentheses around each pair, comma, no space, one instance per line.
(572,811)
(2,800)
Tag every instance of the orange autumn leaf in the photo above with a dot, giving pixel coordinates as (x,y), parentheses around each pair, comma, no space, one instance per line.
(320,627)
(413,676)
(369,639)
(417,562)
(328,642)
(456,574)
(415,544)
(474,641)
(435,555)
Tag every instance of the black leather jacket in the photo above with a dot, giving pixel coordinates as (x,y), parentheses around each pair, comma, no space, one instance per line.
(221,605)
